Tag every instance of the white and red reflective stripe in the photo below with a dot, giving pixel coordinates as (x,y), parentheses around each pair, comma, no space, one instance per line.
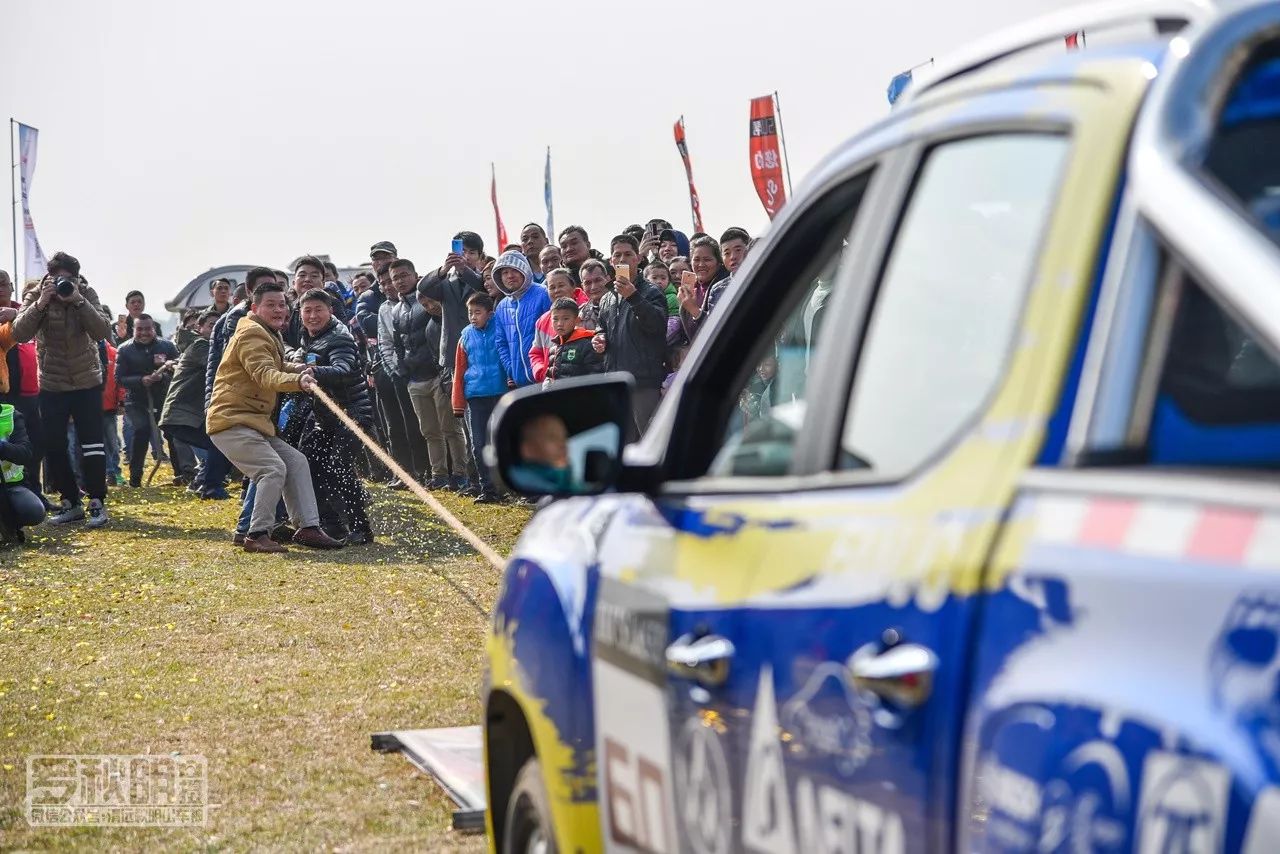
(1165,529)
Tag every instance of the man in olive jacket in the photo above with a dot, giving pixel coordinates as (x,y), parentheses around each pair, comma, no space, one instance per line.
(241,423)
(184,408)
(67,328)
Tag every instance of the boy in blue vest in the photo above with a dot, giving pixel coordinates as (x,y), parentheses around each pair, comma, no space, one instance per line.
(19,506)
(479,380)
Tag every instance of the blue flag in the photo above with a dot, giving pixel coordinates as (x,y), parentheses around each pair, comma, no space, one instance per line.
(898,85)
(551,228)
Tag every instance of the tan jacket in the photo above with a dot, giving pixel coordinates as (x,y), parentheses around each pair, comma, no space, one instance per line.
(66,338)
(250,377)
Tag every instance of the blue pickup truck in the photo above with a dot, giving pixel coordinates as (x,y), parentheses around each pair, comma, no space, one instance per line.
(960,529)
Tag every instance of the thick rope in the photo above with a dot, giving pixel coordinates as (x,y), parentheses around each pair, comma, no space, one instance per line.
(486,551)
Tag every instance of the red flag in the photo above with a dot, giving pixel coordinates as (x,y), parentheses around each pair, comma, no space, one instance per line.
(766,163)
(1073,41)
(497,216)
(683,148)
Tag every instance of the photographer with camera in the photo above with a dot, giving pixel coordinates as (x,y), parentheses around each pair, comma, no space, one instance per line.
(63,317)
(144,367)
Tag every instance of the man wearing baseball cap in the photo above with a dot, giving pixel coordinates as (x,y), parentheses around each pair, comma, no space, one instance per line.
(382,254)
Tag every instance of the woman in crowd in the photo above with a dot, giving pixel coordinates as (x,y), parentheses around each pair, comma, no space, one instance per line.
(708,268)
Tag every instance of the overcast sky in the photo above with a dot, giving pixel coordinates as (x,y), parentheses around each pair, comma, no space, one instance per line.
(179,136)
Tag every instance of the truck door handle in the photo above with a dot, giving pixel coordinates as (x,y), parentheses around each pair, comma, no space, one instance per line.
(901,674)
(704,659)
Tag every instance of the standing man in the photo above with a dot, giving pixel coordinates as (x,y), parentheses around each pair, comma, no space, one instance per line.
(144,367)
(734,245)
(220,295)
(575,247)
(62,316)
(136,305)
(417,339)
(533,239)
(250,378)
(184,408)
(633,332)
(407,445)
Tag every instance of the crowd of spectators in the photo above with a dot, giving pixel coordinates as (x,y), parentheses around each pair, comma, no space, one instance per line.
(416,357)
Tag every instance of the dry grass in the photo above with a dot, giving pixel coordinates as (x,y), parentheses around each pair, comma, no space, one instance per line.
(157,636)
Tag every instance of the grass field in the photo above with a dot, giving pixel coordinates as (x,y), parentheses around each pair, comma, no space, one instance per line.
(156,636)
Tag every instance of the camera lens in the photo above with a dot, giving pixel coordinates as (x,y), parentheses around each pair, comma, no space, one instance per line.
(65,287)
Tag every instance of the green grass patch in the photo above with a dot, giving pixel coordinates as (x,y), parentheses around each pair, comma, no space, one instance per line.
(157,636)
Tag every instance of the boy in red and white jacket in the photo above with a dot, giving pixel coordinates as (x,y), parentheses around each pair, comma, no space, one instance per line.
(559,285)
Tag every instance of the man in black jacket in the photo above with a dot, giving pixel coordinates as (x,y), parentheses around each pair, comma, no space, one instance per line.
(633,332)
(19,506)
(144,368)
(450,285)
(416,327)
(330,448)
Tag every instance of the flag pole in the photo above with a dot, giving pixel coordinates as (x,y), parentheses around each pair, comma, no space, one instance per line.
(13,208)
(782,139)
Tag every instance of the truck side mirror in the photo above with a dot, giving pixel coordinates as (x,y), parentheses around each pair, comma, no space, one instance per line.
(564,440)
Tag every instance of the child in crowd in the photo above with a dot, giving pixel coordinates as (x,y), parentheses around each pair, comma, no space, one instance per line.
(478,382)
(571,352)
(559,284)
(660,277)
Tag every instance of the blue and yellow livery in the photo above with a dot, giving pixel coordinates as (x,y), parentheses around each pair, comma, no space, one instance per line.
(960,528)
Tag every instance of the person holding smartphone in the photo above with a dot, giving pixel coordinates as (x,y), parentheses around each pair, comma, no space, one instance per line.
(632,330)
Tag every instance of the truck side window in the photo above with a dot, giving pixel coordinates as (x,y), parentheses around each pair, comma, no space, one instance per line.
(759,438)
(1218,401)
(947,309)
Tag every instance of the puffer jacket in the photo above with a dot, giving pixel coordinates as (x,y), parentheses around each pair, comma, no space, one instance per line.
(339,370)
(477,371)
(112,394)
(517,318)
(184,405)
(415,335)
(573,356)
(18,374)
(222,332)
(249,380)
(67,339)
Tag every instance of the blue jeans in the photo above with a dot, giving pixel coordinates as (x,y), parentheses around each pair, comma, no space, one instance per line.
(479,410)
(111,443)
(246,508)
(215,465)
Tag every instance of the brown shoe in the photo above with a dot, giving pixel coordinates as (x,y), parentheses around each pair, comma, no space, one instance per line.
(237,539)
(262,544)
(315,538)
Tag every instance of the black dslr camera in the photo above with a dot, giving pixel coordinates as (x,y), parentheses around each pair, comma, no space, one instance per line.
(64,286)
